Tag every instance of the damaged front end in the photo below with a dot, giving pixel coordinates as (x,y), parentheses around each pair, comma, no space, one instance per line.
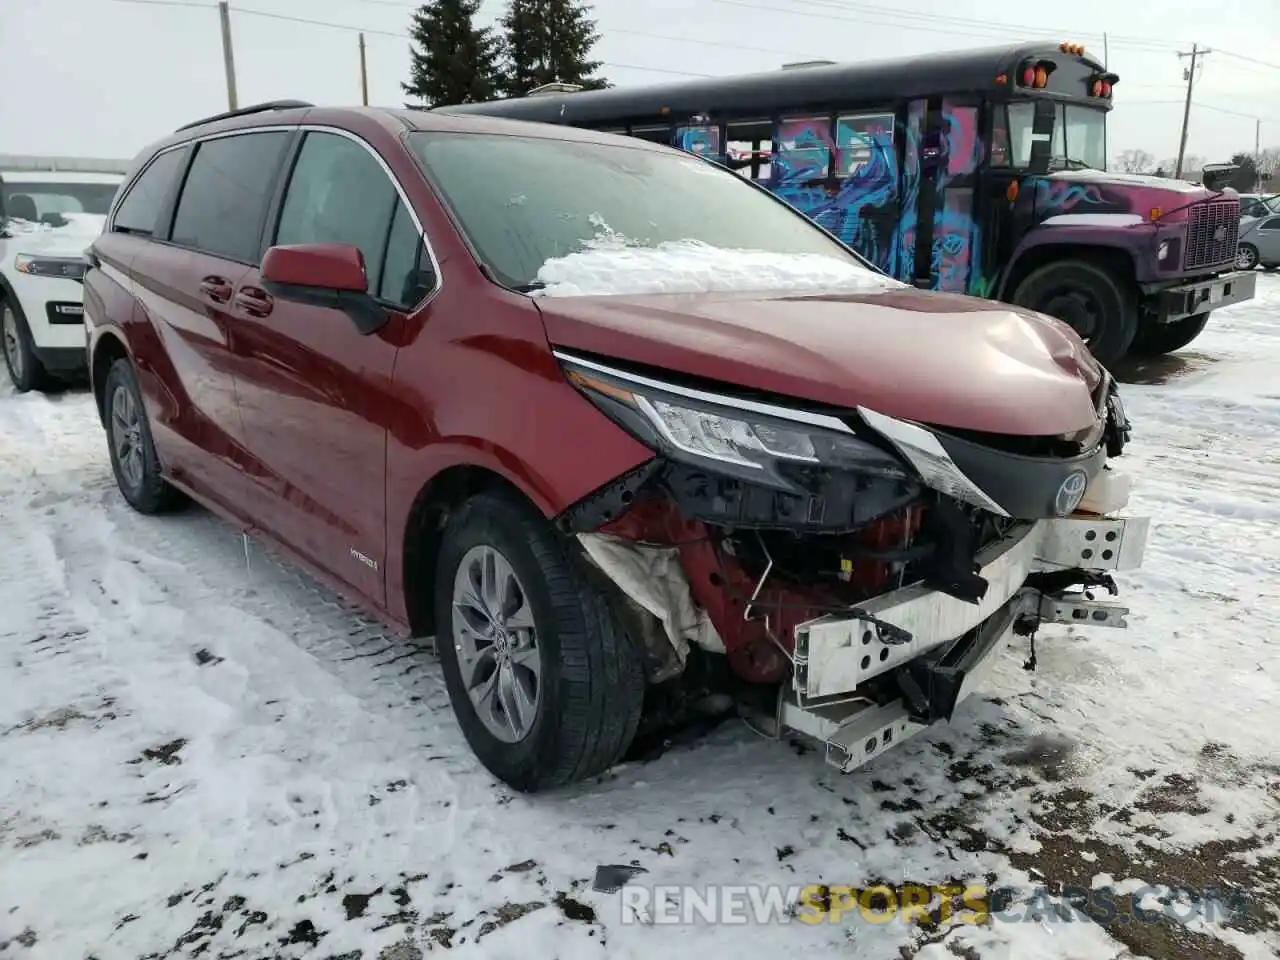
(868,568)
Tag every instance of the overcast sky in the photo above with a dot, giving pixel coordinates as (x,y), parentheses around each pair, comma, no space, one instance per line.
(104,77)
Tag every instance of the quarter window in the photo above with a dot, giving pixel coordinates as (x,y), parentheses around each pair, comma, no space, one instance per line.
(224,200)
(1272,224)
(140,207)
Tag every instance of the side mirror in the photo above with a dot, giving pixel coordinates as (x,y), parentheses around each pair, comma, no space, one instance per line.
(324,275)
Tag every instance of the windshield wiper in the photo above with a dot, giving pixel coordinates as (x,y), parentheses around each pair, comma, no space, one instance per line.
(529,287)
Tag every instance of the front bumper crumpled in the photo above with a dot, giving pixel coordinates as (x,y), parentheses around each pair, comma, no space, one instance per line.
(933,648)
(953,644)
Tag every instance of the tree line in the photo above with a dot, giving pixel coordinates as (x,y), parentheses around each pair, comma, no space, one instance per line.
(535,42)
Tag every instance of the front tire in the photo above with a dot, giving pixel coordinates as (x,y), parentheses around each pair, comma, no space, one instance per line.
(1246,256)
(1161,338)
(545,683)
(1099,307)
(26,372)
(133,453)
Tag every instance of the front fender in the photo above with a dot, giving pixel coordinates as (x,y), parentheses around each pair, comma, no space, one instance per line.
(1136,240)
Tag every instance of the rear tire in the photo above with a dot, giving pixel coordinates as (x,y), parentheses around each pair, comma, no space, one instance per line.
(26,372)
(1100,308)
(133,453)
(579,714)
(1161,338)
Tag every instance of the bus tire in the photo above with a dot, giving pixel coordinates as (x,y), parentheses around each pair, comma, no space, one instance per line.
(1161,338)
(1101,309)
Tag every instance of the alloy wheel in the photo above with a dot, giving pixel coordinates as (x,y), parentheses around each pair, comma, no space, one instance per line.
(126,437)
(12,343)
(496,642)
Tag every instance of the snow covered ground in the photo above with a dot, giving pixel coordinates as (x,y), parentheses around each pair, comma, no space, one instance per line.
(203,754)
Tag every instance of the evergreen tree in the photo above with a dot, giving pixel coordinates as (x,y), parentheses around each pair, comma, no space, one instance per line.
(548,41)
(452,60)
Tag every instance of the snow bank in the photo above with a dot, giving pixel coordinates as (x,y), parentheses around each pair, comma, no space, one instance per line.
(609,266)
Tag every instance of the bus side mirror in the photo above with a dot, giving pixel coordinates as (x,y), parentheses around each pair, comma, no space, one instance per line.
(1042,136)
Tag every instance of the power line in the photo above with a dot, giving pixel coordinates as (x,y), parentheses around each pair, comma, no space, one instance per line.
(1254,60)
(400,35)
(919,21)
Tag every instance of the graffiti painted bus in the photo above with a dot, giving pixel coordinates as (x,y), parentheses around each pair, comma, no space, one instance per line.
(981,172)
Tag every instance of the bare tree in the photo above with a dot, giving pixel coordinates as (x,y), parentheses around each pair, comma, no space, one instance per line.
(1136,161)
(1269,161)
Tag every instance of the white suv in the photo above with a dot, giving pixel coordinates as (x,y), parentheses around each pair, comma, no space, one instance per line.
(48,217)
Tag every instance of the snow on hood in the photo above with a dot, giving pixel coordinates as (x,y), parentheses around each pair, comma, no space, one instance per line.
(1127,179)
(610,266)
(72,237)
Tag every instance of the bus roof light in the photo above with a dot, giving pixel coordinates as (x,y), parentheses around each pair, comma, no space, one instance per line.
(1029,76)
(1042,77)
(1106,89)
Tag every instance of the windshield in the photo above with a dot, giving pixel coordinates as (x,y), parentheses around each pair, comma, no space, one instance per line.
(1079,136)
(524,201)
(43,201)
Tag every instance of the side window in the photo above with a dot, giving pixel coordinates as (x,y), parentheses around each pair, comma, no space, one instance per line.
(702,140)
(407,274)
(226,194)
(338,193)
(804,148)
(1272,224)
(864,141)
(1000,156)
(140,207)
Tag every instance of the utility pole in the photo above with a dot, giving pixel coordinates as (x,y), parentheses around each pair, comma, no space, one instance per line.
(1105,57)
(364,75)
(1195,54)
(228,58)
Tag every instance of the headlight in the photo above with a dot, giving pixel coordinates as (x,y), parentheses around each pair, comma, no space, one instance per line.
(1163,251)
(757,442)
(65,268)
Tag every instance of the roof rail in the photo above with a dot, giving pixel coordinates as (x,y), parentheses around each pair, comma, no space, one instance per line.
(246,111)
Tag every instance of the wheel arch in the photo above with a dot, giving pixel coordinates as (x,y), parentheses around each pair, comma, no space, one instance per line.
(424,528)
(1116,260)
(107,348)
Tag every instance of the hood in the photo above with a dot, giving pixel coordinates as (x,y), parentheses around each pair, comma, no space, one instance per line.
(934,358)
(68,240)
(1084,191)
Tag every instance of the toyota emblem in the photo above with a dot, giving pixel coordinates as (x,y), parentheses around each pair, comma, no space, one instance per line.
(1070,493)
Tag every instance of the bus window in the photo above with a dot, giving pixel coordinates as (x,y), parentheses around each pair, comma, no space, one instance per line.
(859,138)
(1000,156)
(1086,135)
(654,134)
(749,146)
(804,148)
(1079,135)
(702,140)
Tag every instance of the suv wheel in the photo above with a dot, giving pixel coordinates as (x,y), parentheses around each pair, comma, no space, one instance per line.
(25,369)
(1246,256)
(133,454)
(546,685)
(1100,308)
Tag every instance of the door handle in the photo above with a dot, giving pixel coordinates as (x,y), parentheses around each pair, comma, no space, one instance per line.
(217,289)
(253,301)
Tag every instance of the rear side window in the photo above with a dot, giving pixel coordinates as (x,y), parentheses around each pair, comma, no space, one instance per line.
(339,193)
(140,207)
(225,198)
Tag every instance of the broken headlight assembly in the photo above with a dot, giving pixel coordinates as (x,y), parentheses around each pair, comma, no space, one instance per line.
(751,441)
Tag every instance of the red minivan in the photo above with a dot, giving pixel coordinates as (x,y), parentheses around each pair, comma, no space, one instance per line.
(627,435)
